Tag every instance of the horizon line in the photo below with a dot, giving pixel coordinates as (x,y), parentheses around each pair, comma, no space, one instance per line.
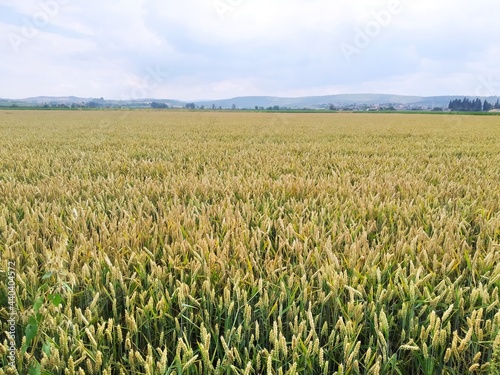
(242,96)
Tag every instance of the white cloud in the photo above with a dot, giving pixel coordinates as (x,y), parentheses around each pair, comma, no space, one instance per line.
(284,47)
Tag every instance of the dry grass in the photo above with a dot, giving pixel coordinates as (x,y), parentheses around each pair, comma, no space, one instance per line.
(244,243)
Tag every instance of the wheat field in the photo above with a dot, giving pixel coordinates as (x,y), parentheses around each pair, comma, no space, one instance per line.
(172,242)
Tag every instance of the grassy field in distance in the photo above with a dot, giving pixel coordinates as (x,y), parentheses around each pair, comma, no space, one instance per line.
(151,242)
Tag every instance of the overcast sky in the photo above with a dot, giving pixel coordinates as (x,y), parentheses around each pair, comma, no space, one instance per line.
(212,49)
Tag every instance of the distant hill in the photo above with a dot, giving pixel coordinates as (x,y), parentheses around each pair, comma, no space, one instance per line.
(69,100)
(310,101)
(338,101)
(250,102)
(60,99)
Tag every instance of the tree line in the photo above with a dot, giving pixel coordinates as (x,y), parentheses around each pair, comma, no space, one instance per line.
(472,105)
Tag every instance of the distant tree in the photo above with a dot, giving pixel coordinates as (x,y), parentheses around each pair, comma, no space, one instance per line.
(202,107)
(276,108)
(93,104)
(478,105)
(486,106)
(466,105)
(213,106)
(331,107)
(190,106)
(497,104)
(233,106)
(158,105)
(256,107)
